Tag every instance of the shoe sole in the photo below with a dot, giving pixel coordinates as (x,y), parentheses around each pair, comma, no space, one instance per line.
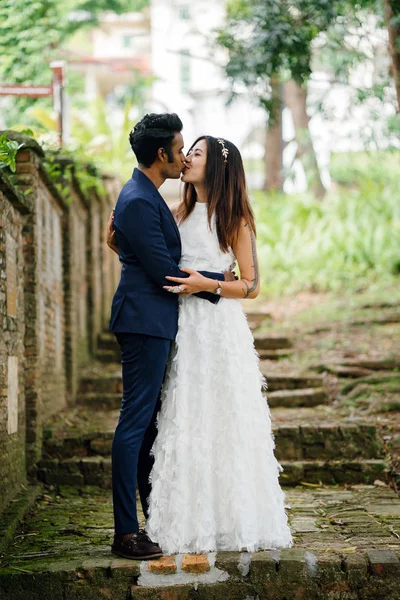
(143,557)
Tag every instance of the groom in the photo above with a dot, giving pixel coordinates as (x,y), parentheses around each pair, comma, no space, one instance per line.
(144,318)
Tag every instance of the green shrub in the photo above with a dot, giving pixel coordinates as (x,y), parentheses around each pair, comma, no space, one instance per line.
(348,241)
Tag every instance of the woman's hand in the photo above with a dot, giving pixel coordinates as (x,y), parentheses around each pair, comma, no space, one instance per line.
(111,238)
(192,285)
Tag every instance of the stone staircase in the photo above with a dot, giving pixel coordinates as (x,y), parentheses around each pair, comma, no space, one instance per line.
(345,546)
(312,445)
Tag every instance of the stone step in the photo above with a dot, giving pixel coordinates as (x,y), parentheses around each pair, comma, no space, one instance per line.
(342,548)
(267,342)
(102,383)
(301,397)
(274,354)
(100,401)
(303,434)
(277,381)
(343,370)
(96,471)
(107,341)
(256,319)
(109,381)
(334,472)
(108,355)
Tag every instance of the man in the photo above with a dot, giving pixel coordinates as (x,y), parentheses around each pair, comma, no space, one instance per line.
(144,318)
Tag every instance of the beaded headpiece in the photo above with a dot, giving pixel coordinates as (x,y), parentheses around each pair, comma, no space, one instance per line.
(224,150)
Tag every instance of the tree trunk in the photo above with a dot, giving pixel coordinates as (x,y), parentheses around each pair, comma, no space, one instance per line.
(273,141)
(296,101)
(392,9)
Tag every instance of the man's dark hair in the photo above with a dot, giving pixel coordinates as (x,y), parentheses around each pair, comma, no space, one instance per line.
(154,131)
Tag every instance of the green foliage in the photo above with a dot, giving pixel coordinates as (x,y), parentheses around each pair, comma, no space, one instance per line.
(8,152)
(348,242)
(32,34)
(101,141)
(266,37)
(62,166)
(9,149)
(33,30)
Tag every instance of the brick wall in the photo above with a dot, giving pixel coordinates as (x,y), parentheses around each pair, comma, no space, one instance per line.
(56,285)
(111,268)
(13,210)
(75,235)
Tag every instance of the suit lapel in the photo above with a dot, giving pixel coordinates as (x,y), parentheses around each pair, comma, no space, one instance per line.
(143,180)
(166,210)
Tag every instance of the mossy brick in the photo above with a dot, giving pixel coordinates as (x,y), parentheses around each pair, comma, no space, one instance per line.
(228,562)
(293,472)
(100,401)
(125,569)
(383,589)
(91,590)
(310,434)
(288,445)
(315,451)
(293,577)
(224,591)
(14,513)
(383,563)
(264,567)
(356,570)
(176,592)
(264,342)
(109,384)
(329,572)
(15,585)
(107,340)
(92,470)
(101,447)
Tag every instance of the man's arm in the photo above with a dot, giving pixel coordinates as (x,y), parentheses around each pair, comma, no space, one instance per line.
(139,223)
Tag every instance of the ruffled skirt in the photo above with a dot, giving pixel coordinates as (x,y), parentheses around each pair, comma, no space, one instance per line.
(215,480)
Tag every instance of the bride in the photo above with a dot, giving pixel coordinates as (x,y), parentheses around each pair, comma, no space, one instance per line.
(215,480)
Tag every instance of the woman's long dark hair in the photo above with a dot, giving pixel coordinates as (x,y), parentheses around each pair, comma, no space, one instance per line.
(227,196)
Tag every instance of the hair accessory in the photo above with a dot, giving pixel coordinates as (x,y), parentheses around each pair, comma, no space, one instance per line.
(224,150)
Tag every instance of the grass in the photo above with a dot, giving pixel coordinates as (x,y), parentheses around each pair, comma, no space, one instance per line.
(347,242)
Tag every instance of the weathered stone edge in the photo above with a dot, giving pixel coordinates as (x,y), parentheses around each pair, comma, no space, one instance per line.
(14,513)
(24,139)
(9,189)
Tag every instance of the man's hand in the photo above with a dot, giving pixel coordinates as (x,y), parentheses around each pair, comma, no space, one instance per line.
(230,276)
(191,285)
(111,238)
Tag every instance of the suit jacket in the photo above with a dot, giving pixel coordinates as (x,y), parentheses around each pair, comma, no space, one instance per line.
(149,249)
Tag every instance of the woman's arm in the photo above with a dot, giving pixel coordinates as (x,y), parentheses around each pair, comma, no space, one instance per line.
(245,250)
(248,286)
(111,238)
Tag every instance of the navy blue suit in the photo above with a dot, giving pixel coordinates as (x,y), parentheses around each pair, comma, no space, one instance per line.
(144,318)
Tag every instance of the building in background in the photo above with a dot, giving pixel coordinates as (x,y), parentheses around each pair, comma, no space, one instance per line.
(109,55)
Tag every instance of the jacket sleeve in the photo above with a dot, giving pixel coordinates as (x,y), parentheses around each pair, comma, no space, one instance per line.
(140,224)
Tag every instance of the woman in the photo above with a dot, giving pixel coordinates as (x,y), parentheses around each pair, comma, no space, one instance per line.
(215,477)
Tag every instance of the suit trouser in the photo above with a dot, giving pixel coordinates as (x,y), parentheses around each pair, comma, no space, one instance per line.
(144,360)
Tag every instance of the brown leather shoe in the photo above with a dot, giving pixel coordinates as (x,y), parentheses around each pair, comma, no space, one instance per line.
(138,546)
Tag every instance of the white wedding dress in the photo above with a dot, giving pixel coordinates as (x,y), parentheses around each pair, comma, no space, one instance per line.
(215,477)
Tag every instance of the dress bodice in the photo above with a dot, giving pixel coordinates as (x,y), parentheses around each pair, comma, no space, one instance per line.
(200,246)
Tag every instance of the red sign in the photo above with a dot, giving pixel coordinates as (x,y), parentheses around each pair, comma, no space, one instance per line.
(32,91)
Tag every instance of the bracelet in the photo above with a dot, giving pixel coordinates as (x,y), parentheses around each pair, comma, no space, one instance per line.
(218,289)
